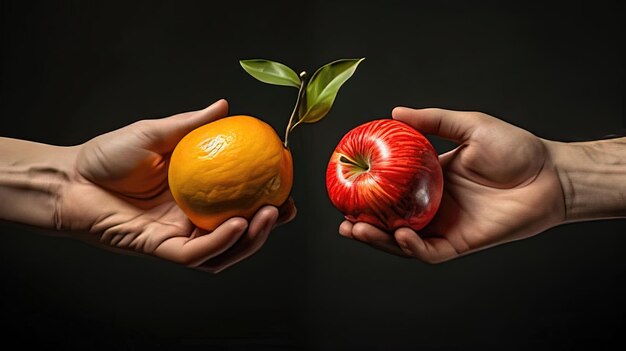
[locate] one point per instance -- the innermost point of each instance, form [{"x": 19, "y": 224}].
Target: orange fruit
[{"x": 229, "y": 168}]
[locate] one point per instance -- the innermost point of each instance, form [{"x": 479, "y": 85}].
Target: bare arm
[
  {"x": 593, "y": 177},
  {"x": 32, "y": 178}
]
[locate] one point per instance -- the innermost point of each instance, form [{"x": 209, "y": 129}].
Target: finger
[
  {"x": 165, "y": 133},
  {"x": 258, "y": 232},
  {"x": 431, "y": 249},
  {"x": 345, "y": 229},
  {"x": 286, "y": 212},
  {"x": 453, "y": 125},
  {"x": 186, "y": 122},
  {"x": 194, "y": 251},
  {"x": 376, "y": 238}
]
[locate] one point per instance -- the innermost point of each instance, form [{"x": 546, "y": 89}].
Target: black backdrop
[{"x": 72, "y": 70}]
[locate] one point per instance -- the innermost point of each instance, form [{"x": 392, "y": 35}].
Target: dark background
[{"x": 73, "y": 70}]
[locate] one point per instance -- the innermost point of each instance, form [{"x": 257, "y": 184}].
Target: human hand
[
  {"x": 120, "y": 193},
  {"x": 500, "y": 185}
]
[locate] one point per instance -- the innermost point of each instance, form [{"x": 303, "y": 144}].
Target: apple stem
[
  {"x": 363, "y": 165},
  {"x": 295, "y": 108}
]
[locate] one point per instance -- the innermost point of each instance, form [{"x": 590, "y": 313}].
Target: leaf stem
[
  {"x": 295, "y": 125},
  {"x": 295, "y": 109}
]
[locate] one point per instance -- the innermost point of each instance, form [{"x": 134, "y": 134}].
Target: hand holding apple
[{"x": 501, "y": 184}]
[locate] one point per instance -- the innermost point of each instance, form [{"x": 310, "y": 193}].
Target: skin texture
[
  {"x": 112, "y": 191},
  {"x": 502, "y": 184}
]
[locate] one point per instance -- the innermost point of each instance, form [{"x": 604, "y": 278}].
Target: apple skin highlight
[{"x": 387, "y": 174}]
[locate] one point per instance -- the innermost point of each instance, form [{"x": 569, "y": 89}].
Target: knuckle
[
  {"x": 474, "y": 114},
  {"x": 479, "y": 117},
  {"x": 141, "y": 124}
]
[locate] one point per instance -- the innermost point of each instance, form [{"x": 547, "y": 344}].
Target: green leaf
[
  {"x": 323, "y": 87},
  {"x": 271, "y": 72}
]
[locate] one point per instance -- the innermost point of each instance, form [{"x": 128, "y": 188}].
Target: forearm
[
  {"x": 32, "y": 178},
  {"x": 593, "y": 177}
]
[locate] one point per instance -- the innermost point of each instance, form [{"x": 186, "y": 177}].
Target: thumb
[
  {"x": 167, "y": 132},
  {"x": 452, "y": 125}
]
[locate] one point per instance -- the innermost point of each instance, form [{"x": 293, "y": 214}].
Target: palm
[
  {"x": 129, "y": 162},
  {"x": 494, "y": 188},
  {"x": 133, "y": 179},
  {"x": 499, "y": 185}
]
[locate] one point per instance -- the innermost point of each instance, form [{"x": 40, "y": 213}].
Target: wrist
[
  {"x": 593, "y": 178},
  {"x": 33, "y": 178},
  {"x": 64, "y": 165}
]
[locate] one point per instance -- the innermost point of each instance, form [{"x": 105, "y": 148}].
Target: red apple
[{"x": 387, "y": 174}]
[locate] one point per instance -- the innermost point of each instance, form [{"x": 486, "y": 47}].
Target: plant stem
[
  {"x": 295, "y": 109},
  {"x": 293, "y": 126}
]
